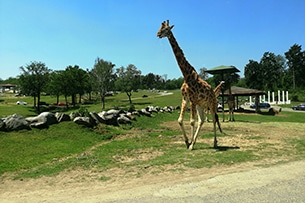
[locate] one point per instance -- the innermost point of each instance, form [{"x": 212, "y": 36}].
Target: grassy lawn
[{"x": 153, "y": 143}]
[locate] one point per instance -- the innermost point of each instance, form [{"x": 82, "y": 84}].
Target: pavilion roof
[
  {"x": 222, "y": 69},
  {"x": 241, "y": 91}
]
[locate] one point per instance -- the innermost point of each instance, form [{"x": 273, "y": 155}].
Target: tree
[
  {"x": 253, "y": 75},
  {"x": 174, "y": 83},
  {"x": 102, "y": 78},
  {"x": 149, "y": 81},
  {"x": 54, "y": 87},
  {"x": 296, "y": 65},
  {"x": 34, "y": 79},
  {"x": 78, "y": 80},
  {"x": 273, "y": 68},
  {"x": 128, "y": 79},
  {"x": 203, "y": 74},
  {"x": 229, "y": 78},
  {"x": 65, "y": 83}
]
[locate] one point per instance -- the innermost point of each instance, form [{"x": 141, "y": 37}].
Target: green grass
[
  {"x": 297, "y": 117},
  {"x": 66, "y": 146}
]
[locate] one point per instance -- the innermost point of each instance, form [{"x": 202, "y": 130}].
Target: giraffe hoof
[
  {"x": 187, "y": 144},
  {"x": 215, "y": 144}
]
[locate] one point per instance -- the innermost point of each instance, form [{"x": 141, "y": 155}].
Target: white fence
[{"x": 282, "y": 98}]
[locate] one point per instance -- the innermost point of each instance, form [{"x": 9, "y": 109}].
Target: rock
[
  {"x": 151, "y": 109},
  {"x": 168, "y": 109},
  {"x": 144, "y": 112},
  {"x": 16, "y": 122},
  {"x": 85, "y": 121},
  {"x": 273, "y": 111},
  {"x": 43, "y": 120},
  {"x": 114, "y": 112},
  {"x": 73, "y": 115},
  {"x": 110, "y": 117},
  {"x": 39, "y": 125},
  {"x": 122, "y": 119},
  {"x": 62, "y": 117},
  {"x": 2, "y": 125},
  {"x": 98, "y": 119},
  {"x": 130, "y": 116}
]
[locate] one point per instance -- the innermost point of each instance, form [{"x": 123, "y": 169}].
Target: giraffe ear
[{"x": 171, "y": 27}]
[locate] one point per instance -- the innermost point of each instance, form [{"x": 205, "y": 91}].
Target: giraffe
[
  {"x": 231, "y": 105},
  {"x": 195, "y": 91},
  {"x": 217, "y": 89}
]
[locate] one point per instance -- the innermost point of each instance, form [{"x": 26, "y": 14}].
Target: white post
[
  {"x": 287, "y": 98},
  {"x": 273, "y": 97},
  {"x": 269, "y": 96},
  {"x": 250, "y": 100},
  {"x": 260, "y": 99},
  {"x": 283, "y": 95},
  {"x": 279, "y": 96}
]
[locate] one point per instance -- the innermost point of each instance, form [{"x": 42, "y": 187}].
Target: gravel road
[{"x": 280, "y": 183}]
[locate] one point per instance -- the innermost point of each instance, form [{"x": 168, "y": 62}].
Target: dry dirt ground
[{"x": 85, "y": 186}]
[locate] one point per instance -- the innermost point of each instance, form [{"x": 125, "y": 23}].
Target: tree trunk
[
  {"x": 66, "y": 100},
  {"x": 80, "y": 99},
  {"x": 257, "y": 109},
  {"x": 34, "y": 101},
  {"x": 103, "y": 101},
  {"x": 38, "y": 101},
  {"x": 129, "y": 97},
  {"x": 73, "y": 96}
]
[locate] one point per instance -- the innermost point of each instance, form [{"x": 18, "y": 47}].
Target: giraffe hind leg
[{"x": 217, "y": 121}]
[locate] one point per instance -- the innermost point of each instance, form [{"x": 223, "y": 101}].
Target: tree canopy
[
  {"x": 34, "y": 80},
  {"x": 128, "y": 79},
  {"x": 102, "y": 78}
]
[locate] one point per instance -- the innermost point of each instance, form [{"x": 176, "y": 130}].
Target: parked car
[
  {"x": 299, "y": 107},
  {"x": 43, "y": 103},
  {"x": 21, "y": 103},
  {"x": 263, "y": 105},
  {"x": 61, "y": 104}
]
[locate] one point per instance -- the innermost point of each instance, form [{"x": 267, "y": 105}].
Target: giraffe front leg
[{"x": 181, "y": 124}]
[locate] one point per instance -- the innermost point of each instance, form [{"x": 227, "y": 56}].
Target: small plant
[{"x": 83, "y": 111}]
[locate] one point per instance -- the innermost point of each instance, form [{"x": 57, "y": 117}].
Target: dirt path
[{"x": 191, "y": 186}]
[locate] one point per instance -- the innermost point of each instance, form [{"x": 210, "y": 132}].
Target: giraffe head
[{"x": 165, "y": 29}]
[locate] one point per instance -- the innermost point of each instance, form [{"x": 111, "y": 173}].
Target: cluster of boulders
[{"x": 111, "y": 117}]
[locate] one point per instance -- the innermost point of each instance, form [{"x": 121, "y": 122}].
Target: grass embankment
[{"x": 148, "y": 145}]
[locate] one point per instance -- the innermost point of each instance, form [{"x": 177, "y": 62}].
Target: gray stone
[
  {"x": 85, "y": 121},
  {"x": 16, "y": 122},
  {"x": 2, "y": 125},
  {"x": 73, "y": 115},
  {"x": 43, "y": 120},
  {"x": 62, "y": 117}
]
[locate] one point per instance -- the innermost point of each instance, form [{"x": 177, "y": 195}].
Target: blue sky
[{"x": 211, "y": 33}]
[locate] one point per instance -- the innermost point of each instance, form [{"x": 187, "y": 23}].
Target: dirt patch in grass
[{"x": 137, "y": 155}]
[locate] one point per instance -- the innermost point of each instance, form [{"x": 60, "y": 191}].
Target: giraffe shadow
[{"x": 225, "y": 148}]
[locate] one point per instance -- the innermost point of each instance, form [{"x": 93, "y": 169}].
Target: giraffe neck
[
  {"x": 186, "y": 68},
  {"x": 217, "y": 90}
]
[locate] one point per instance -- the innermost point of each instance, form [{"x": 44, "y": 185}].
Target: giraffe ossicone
[{"x": 195, "y": 91}]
